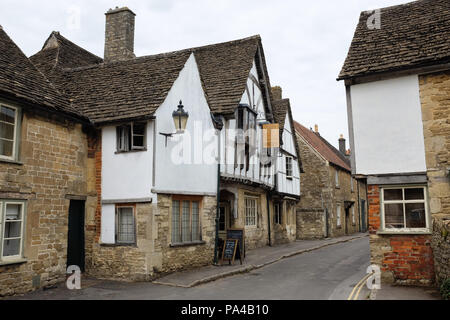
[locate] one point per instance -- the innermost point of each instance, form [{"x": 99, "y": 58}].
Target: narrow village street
[{"x": 327, "y": 273}]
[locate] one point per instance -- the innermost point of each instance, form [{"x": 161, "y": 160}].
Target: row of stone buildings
[{"x": 99, "y": 163}]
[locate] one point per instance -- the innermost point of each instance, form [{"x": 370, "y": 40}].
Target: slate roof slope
[
  {"x": 135, "y": 88},
  {"x": 330, "y": 153},
  {"x": 282, "y": 108},
  {"x": 416, "y": 34},
  {"x": 20, "y": 79},
  {"x": 59, "y": 53}
]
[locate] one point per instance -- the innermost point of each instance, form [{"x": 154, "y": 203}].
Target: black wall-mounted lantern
[{"x": 180, "y": 118}]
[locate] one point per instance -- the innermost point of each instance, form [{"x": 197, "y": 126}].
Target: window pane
[
  {"x": 414, "y": 194},
  {"x": 12, "y": 229},
  {"x": 6, "y": 131},
  {"x": 176, "y": 222},
  {"x": 13, "y": 211},
  {"x": 393, "y": 215},
  {"x": 196, "y": 222},
  {"x": 6, "y": 148},
  {"x": 126, "y": 225},
  {"x": 138, "y": 141},
  {"x": 186, "y": 225},
  {"x": 415, "y": 215},
  {"x": 393, "y": 194},
  {"x": 7, "y": 114},
  {"x": 11, "y": 247},
  {"x": 139, "y": 128}
]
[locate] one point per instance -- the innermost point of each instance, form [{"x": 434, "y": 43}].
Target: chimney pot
[
  {"x": 316, "y": 128},
  {"x": 119, "y": 34}
]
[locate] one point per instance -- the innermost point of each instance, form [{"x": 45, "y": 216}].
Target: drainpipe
[
  {"x": 218, "y": 124},
  {"x": 359, "y": 206},
  {"x": 268, "y": 216}
]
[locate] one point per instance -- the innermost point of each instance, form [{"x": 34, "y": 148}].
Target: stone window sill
[
  {"x": 131, "y": 151},
  {"x": 404, "y": 232},
  {"x": 187, "y": 244},
  {"x": 118, "y": 245},
  {"x": 11, "y": 262},
  {"x": 11, "y": 161}
]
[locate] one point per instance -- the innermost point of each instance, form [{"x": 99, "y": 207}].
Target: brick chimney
[
  {"x": 342, "y": 147},
  {"x": 277, "y": 93},
  {"x": 119, "y": 34}
]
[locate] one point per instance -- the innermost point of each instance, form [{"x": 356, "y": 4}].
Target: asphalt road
[{"x": 327, "y": 273}]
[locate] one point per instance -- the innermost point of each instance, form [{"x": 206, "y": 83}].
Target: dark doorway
[
  {"x": 75, "y": 242},
  {"x": 347, "y": 215}
]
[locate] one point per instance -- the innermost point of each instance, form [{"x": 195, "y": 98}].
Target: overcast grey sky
[{"x": 305, "y": 42}]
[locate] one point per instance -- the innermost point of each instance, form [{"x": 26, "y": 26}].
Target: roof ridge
[{"x": 163, "y": 54}]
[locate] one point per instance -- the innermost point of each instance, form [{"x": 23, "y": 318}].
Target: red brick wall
[{"x": 406, "y": 259}]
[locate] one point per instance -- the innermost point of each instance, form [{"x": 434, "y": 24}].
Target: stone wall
[
  {"x": 441, "y": 249},
  {"x": 310, "y": 224},
  {"x": 320, "y": 196},
  {"x": 403, "y": 258},
  {"x": 171, "y": 259},
  {"x": 52, "y": 166},
  {"x": 286, "y": 231},
  {"x": 435, "y": 102}
]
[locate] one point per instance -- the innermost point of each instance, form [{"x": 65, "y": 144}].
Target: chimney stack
[
  {"x": 342, "y": 147},
  {"x": 119, "y": 34},
  {"x": 316, "y": 128},
  {"x": 277, "y": 93}
]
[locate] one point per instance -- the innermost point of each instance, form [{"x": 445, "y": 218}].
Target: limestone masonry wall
[{"x": 52, "y": 165}]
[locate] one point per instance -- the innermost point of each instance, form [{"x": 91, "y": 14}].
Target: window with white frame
[
  {"x": 338, "y": 215},
  {"x": 185, "y": 220},
  {"x": 11, "y": 229},
  {"x": 404, "y": 208},
  {"x": 251, "y": 209},
  {"x": 131, "y": 136},
  {"x": 125, "y": 225},
  {"x": 8, "y": 128},
  {"x": 289, "y": 167}
]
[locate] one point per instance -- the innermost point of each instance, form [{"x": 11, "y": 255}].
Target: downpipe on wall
[{"x": 218, "y": 124}]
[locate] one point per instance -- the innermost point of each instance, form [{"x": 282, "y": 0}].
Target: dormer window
[{"x": 131, "y": 137}]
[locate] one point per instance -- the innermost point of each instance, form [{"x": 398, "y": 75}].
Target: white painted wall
[
  {"x": 285, "y": 185},
  {"x": 177, "y": 168},
  {"x": 126, "y": 175},
  {"x": 387, "y": 124}
]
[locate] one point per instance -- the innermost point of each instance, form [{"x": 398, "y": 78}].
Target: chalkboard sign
[
  {"x": 229, "y": 250},
  {"x": 239, "y": 235}
]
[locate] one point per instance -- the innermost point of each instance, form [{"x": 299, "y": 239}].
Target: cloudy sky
[{"x": 305, "y": 42}]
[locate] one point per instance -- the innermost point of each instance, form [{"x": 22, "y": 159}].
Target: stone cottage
[
  {"x": 43, "y": 176},
  {"x": 179, "y": 157},
  {"x": 333, "y": 202},
  {"x": 397, "y": 81}
]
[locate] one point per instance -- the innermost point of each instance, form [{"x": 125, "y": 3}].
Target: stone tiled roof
[
  {"x": 135, "y": 88},
  {"x": 59, "y": 53},
  {"x": 20, "y": 79},
  {"x": 282, "y": 108},
  {"x": 330, "y": 153},
  {"x": 415, "y": 34}
]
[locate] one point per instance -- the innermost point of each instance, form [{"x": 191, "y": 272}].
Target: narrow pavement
[{"x": 327, "y": 273}]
